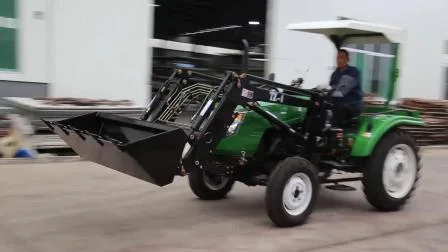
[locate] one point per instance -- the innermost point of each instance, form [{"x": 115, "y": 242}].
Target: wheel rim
[
  {"x": 399, "y": 172},
  {"x": 215, "y": 183},
  {"x": 297, "y": 194}
]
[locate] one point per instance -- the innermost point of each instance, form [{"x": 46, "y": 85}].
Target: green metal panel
[
  {"x": 374, "y": 127},
  {"x": 254, "y": 126},
  {"x": 8, "y": 49},
  {"x": 393, "y": 74},
  {"x": 374, "y": 123},
  {"x": 8, "y": 35}
]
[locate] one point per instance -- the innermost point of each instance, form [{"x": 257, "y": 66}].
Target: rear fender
[{"x": 372, "y": 130}]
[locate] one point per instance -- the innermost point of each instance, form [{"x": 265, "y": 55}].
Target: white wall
[
  {"x": 32, "y": 41},
  {"x": 99, "y": 49},
  {"x": 291, "y": 53},
  {"x": 421, "y": 68}
]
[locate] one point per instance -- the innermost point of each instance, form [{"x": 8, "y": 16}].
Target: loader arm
[
  {"x": 180, "y": 85},
  {"x": 214, "y": 118},
  {"x": 157, "y": 149}
]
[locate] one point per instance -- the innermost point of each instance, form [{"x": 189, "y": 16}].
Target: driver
[{"x": 345, "y": 92}]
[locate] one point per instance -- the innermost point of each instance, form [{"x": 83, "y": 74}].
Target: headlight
[{"x": 233, "y": 128}]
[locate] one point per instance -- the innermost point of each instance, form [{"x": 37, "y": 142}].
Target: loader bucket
[{"x": 147, "y": 151}]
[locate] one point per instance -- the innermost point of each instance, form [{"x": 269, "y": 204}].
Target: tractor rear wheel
[
  {"x": 208, "y": 186},
  {"x": 292, "y": 192},
  {"x": 392, "y": 172}
]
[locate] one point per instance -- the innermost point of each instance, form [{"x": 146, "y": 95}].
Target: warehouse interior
[
  {"x": 195, "y": 20},
  {"x": 215, "y": 29}
]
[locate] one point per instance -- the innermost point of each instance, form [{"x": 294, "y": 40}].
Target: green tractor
[{"x": 257, "y": 131}]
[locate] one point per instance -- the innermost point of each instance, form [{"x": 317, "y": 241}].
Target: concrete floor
[{"x": 81, "y": 206}]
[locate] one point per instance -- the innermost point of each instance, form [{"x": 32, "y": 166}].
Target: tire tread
[
  {"x": 372, "y": 182},
  {"x": 274, "y": 191},
  {"x": 198, "y": 187}
]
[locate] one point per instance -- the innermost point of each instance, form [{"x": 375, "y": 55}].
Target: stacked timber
[
  {"x": 371, "y": 99},
  {"x": 435, "y": 116},
  {"x": 82, "y": 102},
  {"x": 62, "y": 108}
]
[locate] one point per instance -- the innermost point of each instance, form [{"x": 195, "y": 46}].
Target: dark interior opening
[{"x": 222, "y": 24}]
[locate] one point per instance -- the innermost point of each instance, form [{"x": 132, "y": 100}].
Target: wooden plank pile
[
  {"x": 435, "y": 115},
  {"x": 371, "y": 99},
  {"x": 82, "y": 102}
]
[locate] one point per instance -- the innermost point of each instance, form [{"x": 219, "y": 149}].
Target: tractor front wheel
[
  {"x": 291, "y": 192},
  {"x": 208, "y": 186},
  {"x": 392, "y": 171}
]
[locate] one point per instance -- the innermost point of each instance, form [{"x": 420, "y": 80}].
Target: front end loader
[
  {"x": 259, "y": 132},
  {"x": 159, "y": 145}
]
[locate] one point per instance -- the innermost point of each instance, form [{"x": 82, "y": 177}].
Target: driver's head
[{"x": 342, "y": 58}]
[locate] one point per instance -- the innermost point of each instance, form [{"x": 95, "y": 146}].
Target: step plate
[{"x": 340, "y": 187}]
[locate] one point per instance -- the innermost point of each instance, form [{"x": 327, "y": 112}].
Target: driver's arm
[{"x": 347, "y": 83}]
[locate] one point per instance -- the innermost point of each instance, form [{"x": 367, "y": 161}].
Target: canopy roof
[{"x": 352, "y": 31}]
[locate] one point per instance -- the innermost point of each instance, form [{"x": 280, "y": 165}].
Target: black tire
[
  {"x": 279, "y": 179},
  {"x": 198, "y": 184},
  {"x": 374, "y": 188}
]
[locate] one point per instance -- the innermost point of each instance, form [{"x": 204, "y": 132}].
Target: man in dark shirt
[{"x": 346, "y": 92}]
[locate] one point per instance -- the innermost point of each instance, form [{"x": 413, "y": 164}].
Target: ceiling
[{"x": 188, "y": 19}]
